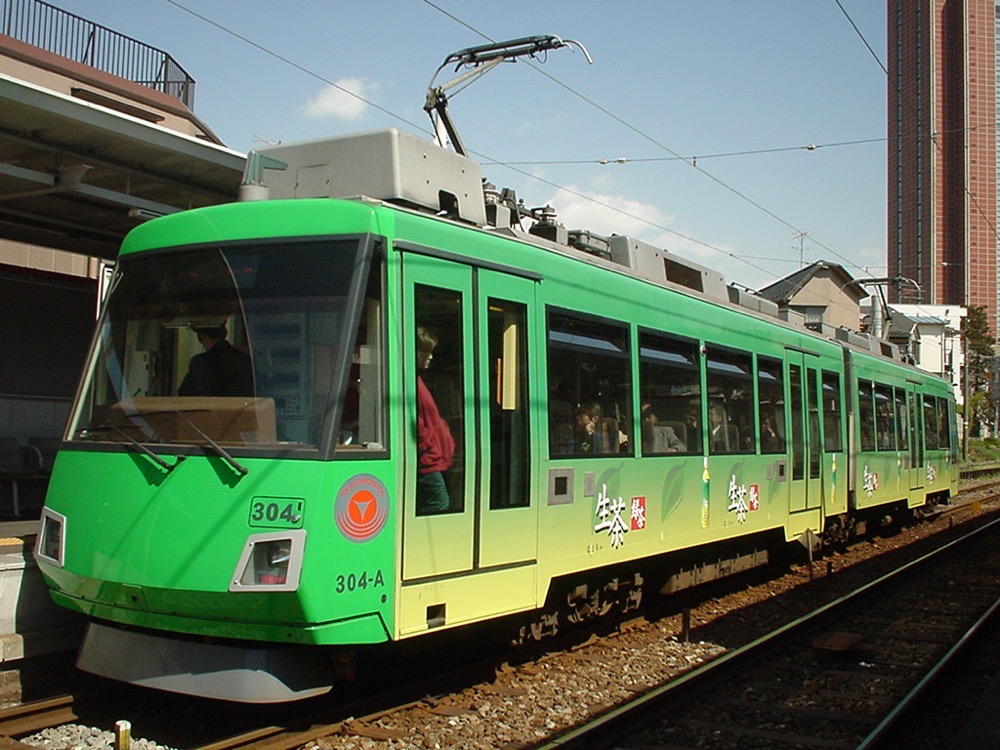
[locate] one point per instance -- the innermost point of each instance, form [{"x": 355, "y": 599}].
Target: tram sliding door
[
  {"x": 806, "y": 444},
  {"x": 438, "y": 444},
  {"x": 507, "y": 521},
  {"x": 467, "y": 356},
  {"x": 916, "y": 457}
]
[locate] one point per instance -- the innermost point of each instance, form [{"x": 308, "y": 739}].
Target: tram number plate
[
  {"x": 276, "y": 512},
  {"x": 359, "y": 581}
]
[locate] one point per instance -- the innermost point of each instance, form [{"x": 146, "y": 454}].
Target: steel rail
[
  {"x": 910, "y": 698},
  {"x": 582, "y": 736},
  {"x": 27, "y": 718}
]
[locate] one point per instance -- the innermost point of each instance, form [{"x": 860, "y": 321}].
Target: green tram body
[{"x": 166, "y": 512}]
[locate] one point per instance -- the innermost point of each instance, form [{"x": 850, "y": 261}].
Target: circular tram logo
[{"x": 362, "y": 507}]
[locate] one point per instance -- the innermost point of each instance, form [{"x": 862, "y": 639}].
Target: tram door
[
  {"x": 438, "y": 504},
  {"x": 916, "y": 425},
  {"x": 507, "y": 522},
  {"x": 806, "y": 431},
  {"x": 465, "y": 376}
]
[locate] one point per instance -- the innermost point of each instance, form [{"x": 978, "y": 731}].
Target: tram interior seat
[
  {"x": 680, "y": 430},
  {"x": 15, "y": 465},
  {"x": 733, "y": 433},
  {"x": 779, "y": 424},
  {"x": 560, "y": 426},
  {"x": 45, "y": 449},
  {"x": 610, "y": 435}
]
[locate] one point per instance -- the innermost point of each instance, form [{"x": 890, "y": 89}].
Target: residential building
[
  {"x": 929, "y": 336},
  {"x": 823, "y": 293},
  {"x": 97, "y": 134}
]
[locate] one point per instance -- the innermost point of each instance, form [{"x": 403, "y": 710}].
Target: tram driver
[{"x": 221, "y": 370}]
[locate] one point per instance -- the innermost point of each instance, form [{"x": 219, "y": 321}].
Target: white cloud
[
  {"x": 335, "y": 101},
  {"x": 615, "y": 214},
  {"x": 607, "y": 214},
  {"x": 603, "y": 180}
]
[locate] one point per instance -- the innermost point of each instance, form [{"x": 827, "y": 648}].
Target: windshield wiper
[
  {"x": 237, "y": 466},
  {"x": 155, "y": 458}
]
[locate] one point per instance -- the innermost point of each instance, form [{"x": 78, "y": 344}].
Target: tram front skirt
[{"x": 210, "y": 670}]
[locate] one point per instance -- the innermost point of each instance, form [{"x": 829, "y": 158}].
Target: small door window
[{"x": 440, "y": 406}]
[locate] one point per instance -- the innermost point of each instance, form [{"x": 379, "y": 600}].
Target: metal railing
[{"x": 50, "y": 28}]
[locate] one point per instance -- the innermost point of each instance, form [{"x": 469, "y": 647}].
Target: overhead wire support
[{"x": 482, "y": 59}]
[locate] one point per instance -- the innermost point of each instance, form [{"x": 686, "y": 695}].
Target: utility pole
[
  {"x": 801, "y": 236},
  {"x": 966, "y": 411}
]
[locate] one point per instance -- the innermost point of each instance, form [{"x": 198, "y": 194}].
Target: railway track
[
  {"x": 979, "y": 471},
  {"x": 36, "y": 715},
  {"x": 837, "y": 678}
]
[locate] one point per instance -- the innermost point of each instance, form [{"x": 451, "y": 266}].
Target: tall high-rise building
[{"x": 942, "y": 152}]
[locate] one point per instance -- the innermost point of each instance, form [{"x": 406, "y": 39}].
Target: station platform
[{"x": 30, "y": 624}]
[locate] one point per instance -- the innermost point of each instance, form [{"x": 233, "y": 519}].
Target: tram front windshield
[{"x": 268, "y": 346}]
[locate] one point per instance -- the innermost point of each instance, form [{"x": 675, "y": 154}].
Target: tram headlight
[
  {"x": 278, "y": 554},
  {"x": 270, "y": 561},
  {"x": 49, "y": 544}
]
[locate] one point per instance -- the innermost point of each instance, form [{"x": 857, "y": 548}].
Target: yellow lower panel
[
  {"x": 465, "y": 599},
  {"x": 799, "y": 522}
]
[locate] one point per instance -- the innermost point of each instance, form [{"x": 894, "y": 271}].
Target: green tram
[{"x": 371, "y": 407}]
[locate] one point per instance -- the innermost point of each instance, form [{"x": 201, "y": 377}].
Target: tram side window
[
  {"x": 730, "y": 402},
  {"x": 902, "y": 420},
  {"x": 944, "y": 431},
  {"x": 951, "y": 426},
  {"x": 440, "y": 401},
  {"x": 362, "y": 419},
  {"x": 866, "y": 415},
  {"x": 812, "y": 383},
  {"x": 795, "y": 390},
  {"x": 509, "y": 454},
  {"x": 833, "y": 433},
  {"x": 916, "y": 427},
  {"x": 885, "y": 421},
  {"x": 930, "y": 423},
  {"x": 670, "y": 394},
  {"x": 590, "y": 386},
  {"x": 771, "y": 396}
]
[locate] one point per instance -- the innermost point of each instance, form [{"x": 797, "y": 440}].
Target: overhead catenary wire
[
  {"x": 691, "y": 161},
  {"x": 696, "y": 157},
  {"x": 301, "y": 68},
  {"x": 624, "y": 160},
  {"x": 486, "y": 159}
]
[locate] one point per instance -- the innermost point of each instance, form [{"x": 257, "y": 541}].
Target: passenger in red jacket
[{"x": 435, "y": 445}]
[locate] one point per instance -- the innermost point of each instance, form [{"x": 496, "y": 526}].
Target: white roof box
[{"x": 385, "y": 164}]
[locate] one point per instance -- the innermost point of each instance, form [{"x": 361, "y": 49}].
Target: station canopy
[{"x": 77, "y": 176}]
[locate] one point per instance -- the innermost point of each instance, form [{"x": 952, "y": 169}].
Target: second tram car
[{"x": 318, "y": 421}]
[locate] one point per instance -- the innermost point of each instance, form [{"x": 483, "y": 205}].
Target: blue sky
[{"x": 745, "y": 86}]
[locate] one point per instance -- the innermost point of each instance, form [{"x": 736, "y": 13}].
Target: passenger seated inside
[
  {"x": 692, "y": 424},
  {"x": 657, "y": 438},
  {"x": 590, "y": 430},
  {"x": 769, "y": 440},
  {"x": 719, "y": 435}
]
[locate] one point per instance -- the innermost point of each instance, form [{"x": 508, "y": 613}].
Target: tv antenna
[{"x": 479, "y": 61}]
